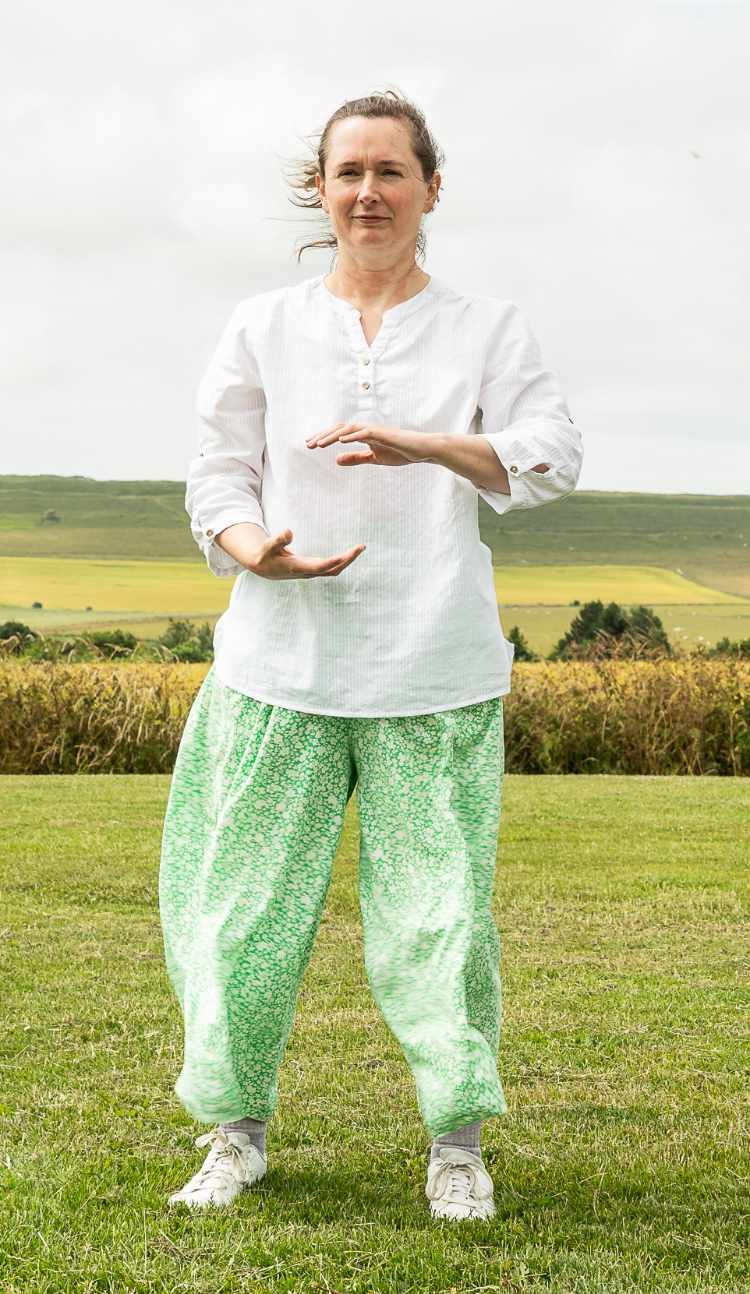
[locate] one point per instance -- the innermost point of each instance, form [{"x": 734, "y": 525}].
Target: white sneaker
[
  {"x": 232, "y": 1164},
  {"x": 459, "y": 1186}
]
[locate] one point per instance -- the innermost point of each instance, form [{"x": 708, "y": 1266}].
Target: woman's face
[{"x": 371, "y": 170}]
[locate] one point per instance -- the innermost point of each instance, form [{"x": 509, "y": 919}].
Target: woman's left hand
[{"x": 388, "y": 446}]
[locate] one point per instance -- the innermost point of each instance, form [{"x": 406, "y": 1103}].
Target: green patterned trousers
[{"x": 253, "y": 820}]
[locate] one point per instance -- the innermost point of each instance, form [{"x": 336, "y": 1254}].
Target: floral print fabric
[{"x": 254, "y": 816}]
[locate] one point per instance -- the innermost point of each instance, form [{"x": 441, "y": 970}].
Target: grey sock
[
  {"x": 467, "y": 1137},
  {"x": 255, "y": 1129}
]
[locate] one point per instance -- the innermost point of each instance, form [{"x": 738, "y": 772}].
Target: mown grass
[{"x": 622, "y": 904}]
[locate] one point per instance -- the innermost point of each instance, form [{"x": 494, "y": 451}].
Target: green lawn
[{"x": 622, "y": 1165}]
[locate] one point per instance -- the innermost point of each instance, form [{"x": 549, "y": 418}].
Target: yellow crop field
[
  {"x": 629, "y": 585},
  {"x": 166, "y": 588},
  {"x": 643, "y": 717},
  {"x": 142, "y": 589}
]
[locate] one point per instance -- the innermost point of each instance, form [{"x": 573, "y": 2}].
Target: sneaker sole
[{"x": 462, "y": 1217}]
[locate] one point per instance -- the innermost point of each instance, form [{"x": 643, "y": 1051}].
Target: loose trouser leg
[
  {"x": 253, "y": 820},
  {"x": 429, "y": 799}
]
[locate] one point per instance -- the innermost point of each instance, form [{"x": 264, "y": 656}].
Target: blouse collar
[{"x": 393, "y": 313}]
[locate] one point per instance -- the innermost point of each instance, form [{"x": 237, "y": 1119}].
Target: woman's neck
[{"x": 375, "y": 290}]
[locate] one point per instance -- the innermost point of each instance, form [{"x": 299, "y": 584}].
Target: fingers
[
  {"x": 339, "y": 431},
  {"x": 283, "y": 538},
  {"x": 307, "y": 568},
  {"x": 349, "y": 460},
  {"x": 332, "y": 565}
]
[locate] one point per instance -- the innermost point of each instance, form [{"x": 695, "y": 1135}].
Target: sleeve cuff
[
  {"x": 518, "y": 461},
  {"x": 220, "y": 562},
  {"x": 515, "y": 453}
]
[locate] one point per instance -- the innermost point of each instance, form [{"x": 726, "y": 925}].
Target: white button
[
  {"x": 365, "y": 386},
  {"x": 209, "y": 533},
  {"x": 514, "y": 469},
  {"x": 365, "y": 362}
]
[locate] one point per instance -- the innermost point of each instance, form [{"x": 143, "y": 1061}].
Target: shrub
[
  {"x": 523, "y": 651},
  {"x": 726, "y": 648},
  {"x": 15, "y": 637},
  {"x": 598, "y": 632},
  {"x": 186, "y": 643}
]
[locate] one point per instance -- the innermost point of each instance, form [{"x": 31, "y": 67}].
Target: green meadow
[
  {"x": 621, "y": 1166},
  {"x": 124, "y": 549}
]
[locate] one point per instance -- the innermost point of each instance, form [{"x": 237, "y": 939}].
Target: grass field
[
  {"x": 622, "y": 904},
  {"x": 542, "y": 626},
  {"x": 705, "y": 536}
]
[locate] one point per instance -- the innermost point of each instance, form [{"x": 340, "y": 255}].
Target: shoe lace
[
  {"x": 459, "y": 1182},
  {"x": 226, "y": 1160}
]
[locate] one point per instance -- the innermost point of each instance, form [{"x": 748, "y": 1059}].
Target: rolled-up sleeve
[
  {"x": 525, "y": 419},
  {"x": 224, "y": 481}
]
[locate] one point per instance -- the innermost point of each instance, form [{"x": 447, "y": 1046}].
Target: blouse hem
[{"x": 395, "y": 714}]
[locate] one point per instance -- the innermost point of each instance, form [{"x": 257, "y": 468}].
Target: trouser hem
[
  {"x": 440, "y": 1128},
  {"x": 220, "y": 1113}
]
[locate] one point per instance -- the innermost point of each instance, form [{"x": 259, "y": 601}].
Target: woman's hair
[{"x": 389, "y": 103}]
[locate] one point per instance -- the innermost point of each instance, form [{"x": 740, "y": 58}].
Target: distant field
[
  {"x": 559, "y": 585},
  {"x": 140, "y": 596},
  {"x": 687, "y": 556},
  {"x": 705, "y": 536},
  {"x": 685, "y": 625},
  {"x": 181, "y": 588},
  {"x": 541, "y": 626}
]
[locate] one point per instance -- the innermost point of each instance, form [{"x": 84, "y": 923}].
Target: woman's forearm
[
  {"x": 474, "y": 458},
  {"x": 242, "y": 540}
]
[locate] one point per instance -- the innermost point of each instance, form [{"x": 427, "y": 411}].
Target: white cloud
[{"x": 145, "y": 152}]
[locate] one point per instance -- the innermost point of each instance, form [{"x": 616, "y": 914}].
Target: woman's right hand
[{"x": 276, "y": 561}]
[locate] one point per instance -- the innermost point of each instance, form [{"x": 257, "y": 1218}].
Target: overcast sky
[{"x": 597, "y": 172}]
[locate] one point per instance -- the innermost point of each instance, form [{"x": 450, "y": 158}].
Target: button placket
[{"x": 365, "y": 357}]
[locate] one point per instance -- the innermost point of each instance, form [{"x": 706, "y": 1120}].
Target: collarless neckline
[{"x": 398, "y": 311}]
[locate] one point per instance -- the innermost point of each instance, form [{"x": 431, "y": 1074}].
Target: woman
[{"x": 342, "y": 416}]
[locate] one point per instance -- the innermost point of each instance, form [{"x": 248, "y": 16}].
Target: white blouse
[{"x": 411, "y": 626}]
